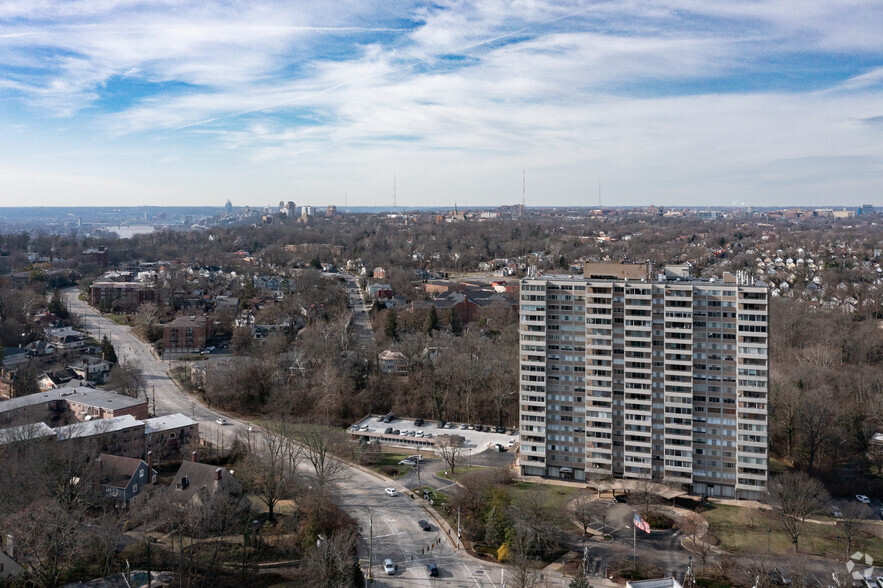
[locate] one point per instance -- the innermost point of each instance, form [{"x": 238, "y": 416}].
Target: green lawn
[
  {"x": 119, "y": 319},
  {"x": 458, "y": 473},
  {"x": 745, "y": 530}
]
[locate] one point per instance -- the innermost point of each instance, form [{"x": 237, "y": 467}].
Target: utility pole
[
  {"x": 153, "y": 393},
  {"x": 458, "y": 527},
  {"x": 368, "y": 578},
  {"x": 419, "y": 457},
  {"x": 635, "y": 542}
]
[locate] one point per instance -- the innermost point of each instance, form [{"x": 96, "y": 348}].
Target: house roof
[
  {"x": 117, "y": 471},
  {"x": 199, "y": 476},
  {"x": 166, "y": 423},
  {"x": 105, "y": 399},
  {"x": 390, "y": 355},
  {"x": 25, "y": 433},
  {"x": 97, "y": 427}
]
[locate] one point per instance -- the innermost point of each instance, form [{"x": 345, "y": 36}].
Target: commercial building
[
  {"x": 81, "y": 403},
  {"x": 644, "y": 374}
]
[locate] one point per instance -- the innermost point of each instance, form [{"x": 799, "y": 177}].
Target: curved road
[{"x": 396, "y": 534}]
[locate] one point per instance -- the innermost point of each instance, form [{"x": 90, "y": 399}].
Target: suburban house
[
  {"x": 40, "y": 348},
  {"x": 187, "y": 334},
  {"x": 13, "y": 356},
  {"x": 392, "y": 362},
  {"x": 9, "y": 568},
  {"x": 123, "y": 478},
  {"x": 56, "y": 379},
  {"x": 92, "y": 369},
  {"x": 199, "y": 482}
]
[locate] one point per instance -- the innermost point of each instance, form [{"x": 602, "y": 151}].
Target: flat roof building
[{"x": 659, "y": 377}]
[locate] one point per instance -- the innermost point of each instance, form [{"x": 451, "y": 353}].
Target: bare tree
[
  {"x": 585, "y": 510},
  {"x": 521, "y": 572},
  {"x": 319, "y": 444},
  {"x": 127, "y": 378},
  {"x": 795, "y": 497},
  {"x": 450, "y": 449},
  {"x": 270, "y": 467},
  {"x": 330, "y": 564},
  {"x": 850, "y": 527}
]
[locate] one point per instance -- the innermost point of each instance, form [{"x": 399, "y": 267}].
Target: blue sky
[{"x": 671, "y": 102}]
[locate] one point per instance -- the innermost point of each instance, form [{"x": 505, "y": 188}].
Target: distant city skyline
[{"x": 731, "y": 103}]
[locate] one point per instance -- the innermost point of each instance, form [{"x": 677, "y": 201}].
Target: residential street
[{"x": 362, "y": 495}]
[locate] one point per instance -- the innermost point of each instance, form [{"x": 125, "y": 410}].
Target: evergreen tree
[
  {"x": 56, "y": 306},
  {"x": 579, "y": 581},
  {"x": 431, "y": 323},
  {"x": 392, "y": 325},
  {"x": 108, "y": 353},
  {"x": 455, "y": 321}
]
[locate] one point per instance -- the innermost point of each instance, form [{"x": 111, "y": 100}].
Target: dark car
[
  {"x": 424, "y": 525},
  {"x": 418, "y": 422},
  {"x": 387, "y": 431},
  {"x": 432, "y": 569},
  {"x": 396, "y": 432},
  {"x": 440, "y": 425}
]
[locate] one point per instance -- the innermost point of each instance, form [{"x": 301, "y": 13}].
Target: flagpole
[{"x": 635, "y": 540}]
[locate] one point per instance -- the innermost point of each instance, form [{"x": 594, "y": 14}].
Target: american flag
[{"x": 641, "y": 524}]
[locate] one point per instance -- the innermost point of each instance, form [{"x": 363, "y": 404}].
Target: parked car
[
  {"x": 392, "y": 492},
  {"x": 432, "y": 570},
  {"x": 449, "y": 425},
  {"x": 419, "y": 433},
  {"x": 408, "y": 462},
  {"x": 863, "y": 499},
  {"x": 389, "y": 567},
  {"x": 387, "y": 430},
  {"x": 418, "y": 422},
  {"x": 440, "y": 425},
  {"x": 464, "y": 426},
  {"x": 511, "y": 442},
  {"x": 221, "y": 421},
  {"x": 354, "y": 428},
  {"x": 415, "y": 458},
  {"x": 411, "y": 433},
  {"x": 380, "y": 418},
  {"x": 499, "y": 447},
  {"x": 427, "y": 436},
  {"x": 835, "y": 510},
  {"x": 424, "y": 525},
  {"x": 363, "y": 428},
  {"x": 396, "y": 432},
  {"x": 404, "y": 433}
]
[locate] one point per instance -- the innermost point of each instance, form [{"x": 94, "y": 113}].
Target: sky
[{"x": 375, "y": 103}]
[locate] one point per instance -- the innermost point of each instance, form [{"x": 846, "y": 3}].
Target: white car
[
  {"x": 863, "y": 499},
  {"x": 389, "y": 567},
  {"x": 392, "y": 492},
  {"x": 221, "y": 421},
  {"x": 835, "y": 510},
  {"x": 511, "y": 442}
]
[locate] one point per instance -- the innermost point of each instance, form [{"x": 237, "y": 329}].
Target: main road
[{"x": 396, "y": 535}]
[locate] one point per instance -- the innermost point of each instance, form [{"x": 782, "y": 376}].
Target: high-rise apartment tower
[{"x": 639, "y": 373}]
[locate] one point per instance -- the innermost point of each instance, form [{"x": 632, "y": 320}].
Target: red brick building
[{"x": 187, "y": 334}]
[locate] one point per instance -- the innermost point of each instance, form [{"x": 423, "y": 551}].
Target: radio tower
[{"x": 523, "y": 189}]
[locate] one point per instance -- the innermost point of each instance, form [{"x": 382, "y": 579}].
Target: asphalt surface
[
  {"x": 362, "y": 495},
  {"x": 362, "y": 331}
]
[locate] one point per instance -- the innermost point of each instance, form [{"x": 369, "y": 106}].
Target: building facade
[{"x": 639, "y": 374}]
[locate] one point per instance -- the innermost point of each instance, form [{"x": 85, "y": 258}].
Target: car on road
[
  {"x": 221, "y": 421},
  {"x": 408, "y": 462},
  {"x": 392, "y": 492},
  {"x": 432, "y": 570},
  {"x": 389, "y": 567},
  {"x": 415, "y": 458},
  {"x": 424, "y": 525},
  {"x": 863, "y": 499},
  {"x": 835, "y": 510},
  {"x": 511, "y": 442}
]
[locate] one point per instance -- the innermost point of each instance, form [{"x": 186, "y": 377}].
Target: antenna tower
[{"x": 523, "y": 188}]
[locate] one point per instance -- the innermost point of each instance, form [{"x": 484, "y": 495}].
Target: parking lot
[{"x": 476, "y": 441}]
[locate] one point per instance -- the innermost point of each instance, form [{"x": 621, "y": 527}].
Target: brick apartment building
[
  {"x": 124, "y": 293},
  {"x": 187, "y": 334}
]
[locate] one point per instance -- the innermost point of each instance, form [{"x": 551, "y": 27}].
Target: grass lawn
[
  {"x": 746, "y": 530},
  {"x": 119, "y": 319},
  {"x": 458, "y": 473}
]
